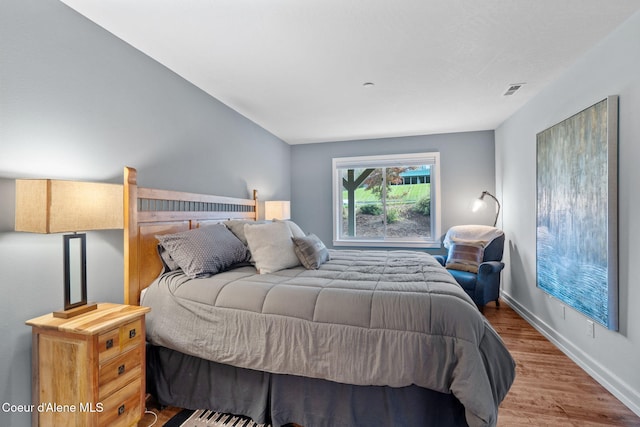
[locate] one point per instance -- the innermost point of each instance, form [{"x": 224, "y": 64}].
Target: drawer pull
[
  {"x": 132, "y": 333},
  {"x": 109, "y": 343},
  {"x": 121, "y": 369},
  {"x": 121, "y": 410}
]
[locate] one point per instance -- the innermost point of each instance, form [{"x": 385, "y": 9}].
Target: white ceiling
[{"x": 297, "y": 67}]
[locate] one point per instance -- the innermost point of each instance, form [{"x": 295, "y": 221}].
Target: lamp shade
[
  {"x": 277, "y": 209},
  {"x": 55, "y": 206},
  {"x": 480, "y": 203}
]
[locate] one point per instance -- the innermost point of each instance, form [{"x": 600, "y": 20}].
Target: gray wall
[
  {"x": 466, "y": 163},
  {"x": 611, "y": 68},
  {"x": 78, "y": 103}
]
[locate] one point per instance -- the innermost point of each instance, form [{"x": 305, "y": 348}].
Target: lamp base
[{"x": 76, "y": 311}]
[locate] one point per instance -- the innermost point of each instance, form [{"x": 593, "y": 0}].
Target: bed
[{"x": 317, "y": 338}]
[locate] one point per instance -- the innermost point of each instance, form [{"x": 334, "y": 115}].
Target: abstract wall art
[{"x": 577, "y": 212}]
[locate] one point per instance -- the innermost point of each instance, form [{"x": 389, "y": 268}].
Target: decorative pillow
[
  {"x": 271, "y": 246},
  {"x": 237, "y": 227},
  {"x": 465, "y": 255},
  {"x": 311, "y": 252},
  {"x": 295, "y": 229},
  {"x": 204, "y": 251},
  {"x": 168, "y": 264}
]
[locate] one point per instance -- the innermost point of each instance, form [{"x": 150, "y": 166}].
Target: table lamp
[{"x": 56, "y": 206}]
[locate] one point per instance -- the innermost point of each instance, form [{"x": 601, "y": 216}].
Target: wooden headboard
[{"x": 149, "y": 212}]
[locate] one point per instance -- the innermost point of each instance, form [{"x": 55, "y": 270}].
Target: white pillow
[
  {"x": 295, "y": 229},
  {"x": 271, "y": 246}
]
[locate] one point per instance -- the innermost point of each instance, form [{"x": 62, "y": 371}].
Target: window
[{"x": 387, "y": 201}]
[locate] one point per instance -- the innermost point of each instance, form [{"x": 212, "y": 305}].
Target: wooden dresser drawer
[
  {"x": 123, "y": 407},
  {"x": 131, "y": 334},
  {"x": 109, "y": 344},
  {"x": 117, "y": 372},
  {"x": 115, "y": 341}
]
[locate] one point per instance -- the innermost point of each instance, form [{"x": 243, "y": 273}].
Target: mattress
[{"x": 371, "y": 318}]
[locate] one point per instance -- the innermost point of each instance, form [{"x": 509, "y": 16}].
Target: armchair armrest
[{"x": 490, "y": 267}]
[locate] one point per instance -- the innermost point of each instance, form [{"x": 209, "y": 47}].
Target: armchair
[{"x": 474, "y": 259}]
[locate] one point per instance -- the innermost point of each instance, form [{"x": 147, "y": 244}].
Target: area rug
[{"x": 203, "y": 417}]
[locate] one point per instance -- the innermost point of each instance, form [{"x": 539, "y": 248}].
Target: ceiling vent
[{"x": 513, "y": 88}]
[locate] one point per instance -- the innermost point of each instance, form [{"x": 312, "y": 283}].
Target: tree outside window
[{"x": 386, "y": 201}]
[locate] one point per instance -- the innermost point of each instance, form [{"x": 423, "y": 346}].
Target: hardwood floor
[{"x": 549, "y": 390}]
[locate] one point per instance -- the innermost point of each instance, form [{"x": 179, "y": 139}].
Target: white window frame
[{"x": 430, "y": 158}]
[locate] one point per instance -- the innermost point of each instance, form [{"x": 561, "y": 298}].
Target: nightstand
[{"x": 89, "y": 370}]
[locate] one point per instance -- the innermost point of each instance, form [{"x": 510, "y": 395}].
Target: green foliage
[
  {"x": 371, "y": 209},
  {"x": 423, "y": 206},
  {"x": 393, "y": 215},
  {"x": 408, "y": 193},
  {"x": 374, "y": 180}
]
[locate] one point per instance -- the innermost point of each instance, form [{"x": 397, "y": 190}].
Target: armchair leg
[{"x": 497, "y": 303}]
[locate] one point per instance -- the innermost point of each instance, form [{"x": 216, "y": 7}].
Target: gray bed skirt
[{"x": 176, "y": 379}]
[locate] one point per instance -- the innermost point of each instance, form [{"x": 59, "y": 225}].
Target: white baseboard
[{"x": 617, "y": 387}]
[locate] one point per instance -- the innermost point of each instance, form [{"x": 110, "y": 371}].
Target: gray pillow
[
  {"x": 237, "y": 227},
  {"x": 168, "y": 264},
  {"x": 205, "y": 251},
  {"x": 311, "y": 252}
]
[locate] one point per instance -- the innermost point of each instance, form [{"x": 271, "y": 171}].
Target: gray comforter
[{"x": 391, "y": 318}]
